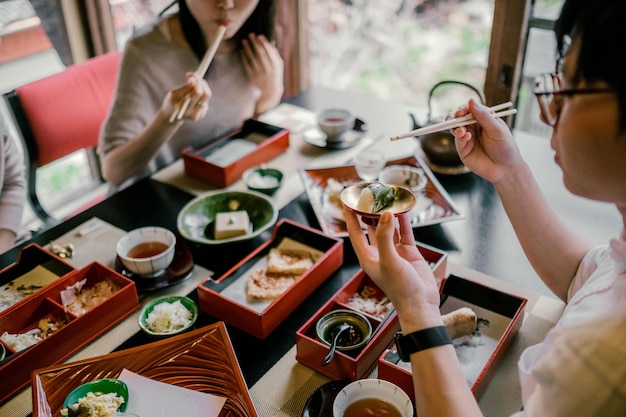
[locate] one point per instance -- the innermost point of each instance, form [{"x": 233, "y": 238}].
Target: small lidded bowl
[
  {"x": 147, "y": 251},
  {"x": 263, "y": 180},
  {"x": 407, "y": 176},
  {"x": 377, "y": 396},
  {"x": 354, "y": 338},
  {"x": 334, "y": 122}
]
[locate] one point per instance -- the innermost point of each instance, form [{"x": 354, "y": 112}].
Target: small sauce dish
[
  {"x": 263, "y": 180},
  {"x": 355, "y": 338}
]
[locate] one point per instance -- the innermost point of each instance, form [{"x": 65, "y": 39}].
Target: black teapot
[{"x": 439, "y": 147}]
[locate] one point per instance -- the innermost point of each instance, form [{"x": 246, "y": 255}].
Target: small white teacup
[
  {"x": 147, "y": 251},
  {"x": 370, "y": 394},
  {"x": 334, "y": 122}
]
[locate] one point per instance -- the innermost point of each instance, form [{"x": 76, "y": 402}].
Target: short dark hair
[
  {"x": 261, "y": 21},
  {"x": 598, "y": 25}
]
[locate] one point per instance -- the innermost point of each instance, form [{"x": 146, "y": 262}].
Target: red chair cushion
[{"x": 65, "y": 111}]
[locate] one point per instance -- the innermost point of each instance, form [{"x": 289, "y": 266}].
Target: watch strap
[{"x": 421, "y": 340}]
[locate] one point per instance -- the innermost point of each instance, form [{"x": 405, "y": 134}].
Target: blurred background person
[
  {"x": 245, "y": 78},
  {"x": 13, "y": 193}
]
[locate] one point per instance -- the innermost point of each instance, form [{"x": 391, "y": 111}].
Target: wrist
[
  {"x": 418, "y": 317},
  {"x": 428, "y": 338}
]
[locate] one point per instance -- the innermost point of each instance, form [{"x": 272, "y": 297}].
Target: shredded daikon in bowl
[{"x": 168, "y": 315}]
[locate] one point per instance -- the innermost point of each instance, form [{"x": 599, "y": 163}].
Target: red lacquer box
[
  {"x": 77, "y": 329},
  {"x": 225, "y": 297},
  {"x": 223, "y": 162},
  {"x": 500, "y": 316},
  {"x": 355, "y": 364}
]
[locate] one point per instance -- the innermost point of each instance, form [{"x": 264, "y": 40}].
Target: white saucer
[{"x": 348, "y": 139}]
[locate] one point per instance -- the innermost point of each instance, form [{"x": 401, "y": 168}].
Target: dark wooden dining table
[{"x": 483, "y": 240}]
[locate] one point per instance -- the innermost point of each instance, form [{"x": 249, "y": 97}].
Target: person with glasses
[
  {"x": 580, "y": 368},
  {"x": 245, "y": 78}
]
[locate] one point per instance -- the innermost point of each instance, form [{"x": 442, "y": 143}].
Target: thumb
[
  {"x": 384, "y": 236},
  {"x": 483, "y": 116}
]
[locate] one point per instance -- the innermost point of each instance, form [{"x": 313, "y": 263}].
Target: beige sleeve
[{"x": 460, "y": 322}]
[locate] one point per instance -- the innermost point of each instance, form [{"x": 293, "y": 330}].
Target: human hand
[
  {"x": 265, "y": 69},
  {"x": 487, "y": 147},
  {"x": 392, "y": 260},
  {"x": 197, "y": 91}
]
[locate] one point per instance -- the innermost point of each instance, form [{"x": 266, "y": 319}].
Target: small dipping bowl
[
  {"x": 405, "y": 201},
  {"x": 263, "y": 180},
  {"x": 374, "y": 391},
  {"x": 187, "y": 302},
  {"x": 404, "y": 175},
  {"x": 360, "y": 324},
  {"x": 147, "y": 251},
  {"x": 334, "y": 122}
]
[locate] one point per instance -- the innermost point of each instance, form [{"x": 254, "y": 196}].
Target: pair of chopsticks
[
  {"x": 179, "y": 111},
  {"x": 457, "y": 122}
]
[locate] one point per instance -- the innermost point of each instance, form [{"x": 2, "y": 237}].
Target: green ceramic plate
[
  {"x": 195, "y": 220},
  {"x": 99, "y": 386},
  {"x": 147, "y": 309}
]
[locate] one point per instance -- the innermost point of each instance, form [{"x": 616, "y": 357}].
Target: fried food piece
[{"x": 460, "y": 322}]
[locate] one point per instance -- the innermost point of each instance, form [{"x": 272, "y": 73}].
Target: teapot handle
[{"x": 440, "y": 83}]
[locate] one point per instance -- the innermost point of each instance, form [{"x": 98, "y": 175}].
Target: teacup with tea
[
  {"x": 335, "y": 122},
  {"x": 372, "y": 397},
  {"x": 147, "y": 251}
]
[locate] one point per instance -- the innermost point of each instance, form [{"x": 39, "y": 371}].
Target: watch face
[{"x": 400, "y": 348}]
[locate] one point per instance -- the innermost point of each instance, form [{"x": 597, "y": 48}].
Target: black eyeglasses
[{"x": 550, "y": 92}]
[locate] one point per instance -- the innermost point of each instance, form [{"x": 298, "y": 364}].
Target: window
[
  {"x": 399, "y": 49},
  {"x": 539, "y": 57}
]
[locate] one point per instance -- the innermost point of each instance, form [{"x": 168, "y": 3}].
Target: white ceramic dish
[{"x": 407, "y": 176}]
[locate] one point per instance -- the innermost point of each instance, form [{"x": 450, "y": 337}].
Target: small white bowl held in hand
[
  {"x": 334, "y": 122},
  {"x": 379, "y": 391},
  {"x": 147, "y": 251}
]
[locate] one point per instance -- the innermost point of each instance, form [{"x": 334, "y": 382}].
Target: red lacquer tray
[
  {"x": 202, "y": 360},
  {"x": 434, "y": 205}
]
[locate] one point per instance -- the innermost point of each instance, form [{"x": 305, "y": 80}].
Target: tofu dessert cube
[{"x": 231, "y": 224}]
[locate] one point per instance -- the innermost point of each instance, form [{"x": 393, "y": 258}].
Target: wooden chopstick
[
  {"x": 457, "y": 122},
  {"x": 179, "y": 111}
]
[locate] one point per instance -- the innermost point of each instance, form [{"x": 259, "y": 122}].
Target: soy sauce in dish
[
  {"x": 350, "y": 337},
  {"x": 368, "y": 407},
  {"x": 147, "y": 249}
]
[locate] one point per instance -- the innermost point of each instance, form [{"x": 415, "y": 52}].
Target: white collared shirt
[{"x": 580, "y": 368}]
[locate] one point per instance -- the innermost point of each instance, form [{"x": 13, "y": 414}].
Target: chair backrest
[{"x": 63, "y": 113}]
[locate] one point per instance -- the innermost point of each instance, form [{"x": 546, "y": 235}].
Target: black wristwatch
[{"x": 421, "y": 340}]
